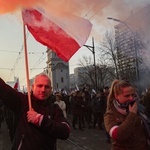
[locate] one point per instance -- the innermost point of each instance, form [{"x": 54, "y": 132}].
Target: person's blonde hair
[{"x": 116, "y": 88}]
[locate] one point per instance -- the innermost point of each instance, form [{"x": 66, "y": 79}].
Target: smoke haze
[{"x": 96, "y": 11}]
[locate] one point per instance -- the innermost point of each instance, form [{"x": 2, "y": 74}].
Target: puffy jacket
[{"x": 28, "y": 136}]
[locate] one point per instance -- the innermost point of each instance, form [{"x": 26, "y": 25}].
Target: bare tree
[
  {"x": 87, "y": 74},
  {"x": 104, "y": 74},
  {"x": 106, "y": 66},
  {"x": 108, "y": 52}
]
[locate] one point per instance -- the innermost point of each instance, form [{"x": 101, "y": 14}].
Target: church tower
[{"x": 58, "y": 71}]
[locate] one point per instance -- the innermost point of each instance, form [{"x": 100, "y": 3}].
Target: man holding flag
[{"x": 40, "y": 127}]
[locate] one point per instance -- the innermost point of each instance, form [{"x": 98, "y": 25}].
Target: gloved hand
[{"x": 34, "y": 117}]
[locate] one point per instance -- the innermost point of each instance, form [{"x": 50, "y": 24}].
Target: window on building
[
  {"x": 57, "y": 85},
  {"x": 62, "y": 79}
]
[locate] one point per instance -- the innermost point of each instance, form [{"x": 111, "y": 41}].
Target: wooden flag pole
[{"x": 27, "y": 68}]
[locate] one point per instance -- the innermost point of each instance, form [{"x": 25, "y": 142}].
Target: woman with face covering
[{"x": 121, "y": 119}]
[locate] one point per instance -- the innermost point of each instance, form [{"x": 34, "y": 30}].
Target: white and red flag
[
  {"x": 16, "y": 85},
  {"x": 63, "y": 33}
]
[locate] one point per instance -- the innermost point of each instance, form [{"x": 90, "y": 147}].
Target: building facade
[
  {"x": 132, "y": 43},
  {"x": 58, "y": 71}
]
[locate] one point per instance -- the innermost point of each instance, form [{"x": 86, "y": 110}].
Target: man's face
[{"x": 42, "y": 88}]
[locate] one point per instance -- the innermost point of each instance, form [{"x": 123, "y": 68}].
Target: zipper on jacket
[{"x": 20, "y": 144}]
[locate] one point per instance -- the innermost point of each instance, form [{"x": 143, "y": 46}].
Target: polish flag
[{"x": 63, "y": 33}]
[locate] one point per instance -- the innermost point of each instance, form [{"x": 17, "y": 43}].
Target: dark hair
[
  {"x": 101, "y": 91},
  {"x": 106, "y": 87},
  {"x": 58, "y": 94}
]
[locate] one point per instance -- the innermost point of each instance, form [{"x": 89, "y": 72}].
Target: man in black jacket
[{"x": 40, "y": 127}]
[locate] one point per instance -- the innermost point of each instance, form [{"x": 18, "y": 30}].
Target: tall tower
[{"x": 58, "y": 71}]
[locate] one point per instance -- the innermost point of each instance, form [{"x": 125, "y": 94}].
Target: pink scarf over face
[{"x": 119, "y": 109}]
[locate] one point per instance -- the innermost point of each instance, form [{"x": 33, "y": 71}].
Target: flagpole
[{"x": 27, "y": 68}]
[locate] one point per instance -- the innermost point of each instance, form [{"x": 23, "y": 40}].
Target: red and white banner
[
  {"x": 16, "y": 85},
  {"x": 63, "y": 33}
]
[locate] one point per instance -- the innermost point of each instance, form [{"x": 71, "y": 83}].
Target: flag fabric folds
[{"x": 63, "y": 34}]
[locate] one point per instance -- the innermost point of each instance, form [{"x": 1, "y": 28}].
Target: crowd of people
[
  {"x": 117, "y": 110},
  {"x": 86, "y": 107}
]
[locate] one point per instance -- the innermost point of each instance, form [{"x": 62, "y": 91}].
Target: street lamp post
[
  {"x": 136, "y": 57},
  {"x": 92, "y": 49}
]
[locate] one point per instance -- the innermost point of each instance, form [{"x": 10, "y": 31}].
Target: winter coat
[
  {"x": 29, "y": 136},
  {"x": 77, "y": 106},
  {"x": 131, "y": 135},
  {"x": 62, "y": 106}
]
